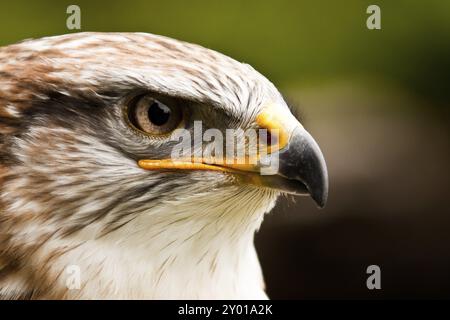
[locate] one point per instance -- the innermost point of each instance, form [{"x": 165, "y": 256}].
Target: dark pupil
[{"x": 158, "y": 113}]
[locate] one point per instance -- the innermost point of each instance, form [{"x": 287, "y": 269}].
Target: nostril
[{"x": 269, "y": 138}]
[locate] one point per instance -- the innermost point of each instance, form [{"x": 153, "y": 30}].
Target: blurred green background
[
  {"x": 377, "y": 101},
  {"x": 292, "y": 42}
]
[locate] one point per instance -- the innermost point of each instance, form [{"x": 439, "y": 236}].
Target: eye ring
[{"x": 154, "y": 115}]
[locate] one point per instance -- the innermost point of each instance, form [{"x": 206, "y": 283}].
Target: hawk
[{"x": 86, "y": 177}]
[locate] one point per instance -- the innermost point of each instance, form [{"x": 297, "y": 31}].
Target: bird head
[{"x": 88, "y": 125}]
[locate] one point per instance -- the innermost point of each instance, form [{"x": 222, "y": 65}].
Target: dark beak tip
[
  {"x": 321, "y": 200},
  {"x": 303, "y": 161},
  {"x": 316, "y": 175},
  {"x": 320, "y": 194}
]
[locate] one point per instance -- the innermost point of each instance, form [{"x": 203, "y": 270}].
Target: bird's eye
[{"x": 154, "y": 116}]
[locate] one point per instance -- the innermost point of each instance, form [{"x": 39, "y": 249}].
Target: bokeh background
[{"x": 377, "y": 101}]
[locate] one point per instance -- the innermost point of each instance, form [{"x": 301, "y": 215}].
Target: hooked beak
[
  {"x": 300, "y": 170},
  {"x": 302, "y": 162}
]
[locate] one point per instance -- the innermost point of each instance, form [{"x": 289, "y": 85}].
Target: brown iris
[{"x": 154, "y": 116}]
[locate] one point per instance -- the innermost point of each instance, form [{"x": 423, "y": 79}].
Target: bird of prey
[{"x": 86, "y": 180}]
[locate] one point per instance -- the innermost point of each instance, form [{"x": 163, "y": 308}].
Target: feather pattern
[{"x": 72, "y": 194}]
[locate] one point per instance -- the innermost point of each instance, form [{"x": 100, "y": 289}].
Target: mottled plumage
[{"x": 72, "y": 194}]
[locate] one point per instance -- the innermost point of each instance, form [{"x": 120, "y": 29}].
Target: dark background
[{"x": 377, "y": 102}]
